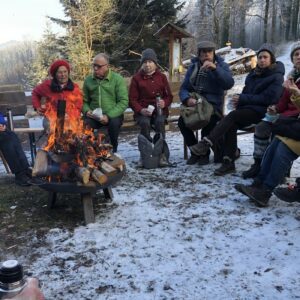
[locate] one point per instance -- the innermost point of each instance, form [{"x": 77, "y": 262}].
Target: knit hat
[
  {"x": 149, "y": 54},
  {"x": 269, "y": 48},
  {"x": 58, "y": 63},
  {"x": 295, "y": 47}
]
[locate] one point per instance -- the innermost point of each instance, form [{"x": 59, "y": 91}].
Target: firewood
[
  {"x": 83, "y": 174},
  {"x": 99, "y": 176},
  {"x": 108, "y": 169},
  {"x": 117, "y": 162},
  {"x": 41, "y": 164}
]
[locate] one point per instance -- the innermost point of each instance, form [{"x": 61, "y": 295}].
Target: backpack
[{"x": 154, "y": 154}]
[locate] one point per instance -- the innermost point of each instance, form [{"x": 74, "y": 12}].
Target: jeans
[
  {"x": 158, "y": 121},
  {"x": 113, "y": 128},
  {"x": 277, "y": 160},
  {"x": 12, "y": 151}
]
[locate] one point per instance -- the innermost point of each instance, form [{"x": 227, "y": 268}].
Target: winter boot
[
  {"x": 260, "y": 195},
  {"x": 202, "y": 147},
  {"x": 22, "y": 179},
  {"x": 289, "y": 194},
  {"x": 227, "y": 167},
  {"x": 203, "y": 160},
  {"x": 193, "y": 159},
  {"x": 254, "y": 169}
]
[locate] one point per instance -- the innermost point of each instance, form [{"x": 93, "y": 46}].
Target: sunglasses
[{"x": 96, "y": 66}]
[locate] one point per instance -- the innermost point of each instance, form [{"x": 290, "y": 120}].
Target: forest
[{"x": 123, "y": 28}]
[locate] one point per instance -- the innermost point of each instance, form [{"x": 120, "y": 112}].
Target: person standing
[
  {"x": 208, "y": 76},
  {"x": 105, "y": 98},
  {"x": 149, "y": 89}
]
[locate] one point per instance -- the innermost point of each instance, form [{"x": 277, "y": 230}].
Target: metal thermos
[
  {"x": 158, "y": 109},
  {"x": 12, "y": 279},
  {"x": 10, "y": 121}
]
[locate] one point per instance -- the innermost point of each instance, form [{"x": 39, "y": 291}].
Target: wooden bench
[{"x": 13, "y": 104}]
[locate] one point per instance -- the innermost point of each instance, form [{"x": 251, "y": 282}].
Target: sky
[{"x": 26, "y": 19}]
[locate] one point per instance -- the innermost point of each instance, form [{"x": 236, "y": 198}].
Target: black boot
[
  {"x": 289, "y": 194},
  {"x": 260, "y": 195},
  {"x": 254, "y": 169},
  {"x": 227, "y": 167}
]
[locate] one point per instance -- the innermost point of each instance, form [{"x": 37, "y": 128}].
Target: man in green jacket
[{"x": 105, "y": 98}]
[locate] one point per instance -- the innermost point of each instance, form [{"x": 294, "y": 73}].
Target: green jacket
[{"x": 110, "y": 94}]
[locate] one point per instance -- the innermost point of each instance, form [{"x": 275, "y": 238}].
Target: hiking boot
[
  {"x": 193, "y": 159},
  {"x": 288, "y": 194},
  {"x": 260, "y": 195},
  {"x": 253, "y": 171},
  {"x": 22, "y": 179},
  {"x": 201, "y": 148},
  {"x": 240, "y": 187},
  {"x": 203, "y": 160},
  {"x": 227, "y": 167}
]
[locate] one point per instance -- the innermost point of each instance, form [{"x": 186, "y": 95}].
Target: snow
[{"x": 177, "y": 233}]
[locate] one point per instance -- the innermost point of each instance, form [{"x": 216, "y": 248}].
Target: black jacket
[{"x": 262, "y": 90}]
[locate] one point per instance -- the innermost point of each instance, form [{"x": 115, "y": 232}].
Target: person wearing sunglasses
[{"x": 105, "y": 98}]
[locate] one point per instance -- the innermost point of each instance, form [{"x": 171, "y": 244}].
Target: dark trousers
[
  {"x": 227, "y": 128},
  {"x": 189, "y": 136},
  {"x": 146, "y": 123},
  {"x": 113, "y": 128},
  {"x": 12, "y": 151}
]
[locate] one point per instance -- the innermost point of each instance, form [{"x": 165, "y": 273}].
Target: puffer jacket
[
  {"x": 262, "y": 89},
  {"x": 218, "y": 81}
]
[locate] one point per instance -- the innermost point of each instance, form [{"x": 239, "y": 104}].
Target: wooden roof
[{"x": 171, "y": 28}]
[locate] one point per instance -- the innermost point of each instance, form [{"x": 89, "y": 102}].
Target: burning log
[
  {"x": 41, "y": 164},
  {"x": 98, "y": 176},
  {"x": 83, "y": 174}
]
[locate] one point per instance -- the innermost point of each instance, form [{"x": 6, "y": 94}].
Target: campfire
[{"x": 73, "y": 153}]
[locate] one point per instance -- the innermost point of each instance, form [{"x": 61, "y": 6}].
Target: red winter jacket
[
  {"x": 71, "y": 94},
  {"x": 285, "y": 106},
  {"x": 143, "y": 89}
]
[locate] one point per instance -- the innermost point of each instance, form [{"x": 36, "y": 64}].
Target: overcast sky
[{"x": 26, "y": 19}]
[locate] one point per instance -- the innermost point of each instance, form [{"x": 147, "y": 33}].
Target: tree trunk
[
  {"x": 266, "y": 20},
  {"x": 288, "y": 20},
  {"x": 294, "y": 21},
  {"x": 273, "y": 27},
  {"x": 226, "y": 23}
]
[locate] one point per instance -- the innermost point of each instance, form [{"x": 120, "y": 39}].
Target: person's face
[
  {"x": 100, "y": 67},
  {"x": 264, "y": 59},
  {"x": 206, "y": 54},
  {"x": 149, "y": 66},
  {"x": 296, "y": 59},
  {"x": 62, "y": 75}
]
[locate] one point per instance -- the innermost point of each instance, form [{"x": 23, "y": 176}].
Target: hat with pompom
[{"x": 295, "y": 47}]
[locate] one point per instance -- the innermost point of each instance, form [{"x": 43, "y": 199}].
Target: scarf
[{"x": 56, "y": 87}]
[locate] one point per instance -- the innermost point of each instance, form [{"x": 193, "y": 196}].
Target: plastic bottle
[{"x": 12, "y": 280}]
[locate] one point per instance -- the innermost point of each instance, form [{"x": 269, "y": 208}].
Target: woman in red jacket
[
  {"x": 60, "y": 87},
  {"x": 150, "y": 95}
]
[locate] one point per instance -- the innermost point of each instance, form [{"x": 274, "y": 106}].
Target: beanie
[
  {"x": 149, "y": 54},
  {"x": 269, "y": 48},
  {"x": 58, "y": 63},
  {"x": 295, "y": 47}
]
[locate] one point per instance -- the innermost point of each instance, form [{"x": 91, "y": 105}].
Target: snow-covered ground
[{"x": 177, "y": 233}]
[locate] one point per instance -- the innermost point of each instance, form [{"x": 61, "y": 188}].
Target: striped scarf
[{"x": 200, "y": 81}]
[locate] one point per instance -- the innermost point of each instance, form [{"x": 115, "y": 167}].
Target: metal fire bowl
[
  {"x": 61, "y": 157},
  {"x": 77, "y": 187}
]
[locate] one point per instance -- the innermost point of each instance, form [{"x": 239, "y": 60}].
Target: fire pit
[{"x": 75, "y": 161}]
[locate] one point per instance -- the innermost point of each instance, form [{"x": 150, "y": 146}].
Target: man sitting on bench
[{"x": 13, "y": 153}]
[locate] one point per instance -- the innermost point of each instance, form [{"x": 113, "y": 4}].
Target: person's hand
[
  {"x": 235, "y": 100},
  {"x": 161, "y": 103},
  {"x": 2, "y": 127},
  {"x": 41, "y": 111},
  {"x": 191, "y": 102},
  {"x": 104, "y": 119},
  {"x": 30, "y": 292},
  {"x": 208, "y": 65},
  {"x": 145, "y": 112},
  {"x": 272, "y": 110},
  {"x": 290, "y": 85},
  {"x": 89, "y": 114}
]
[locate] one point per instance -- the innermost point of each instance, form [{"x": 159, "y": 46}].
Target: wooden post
[{"x": 88, "y": 208}]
